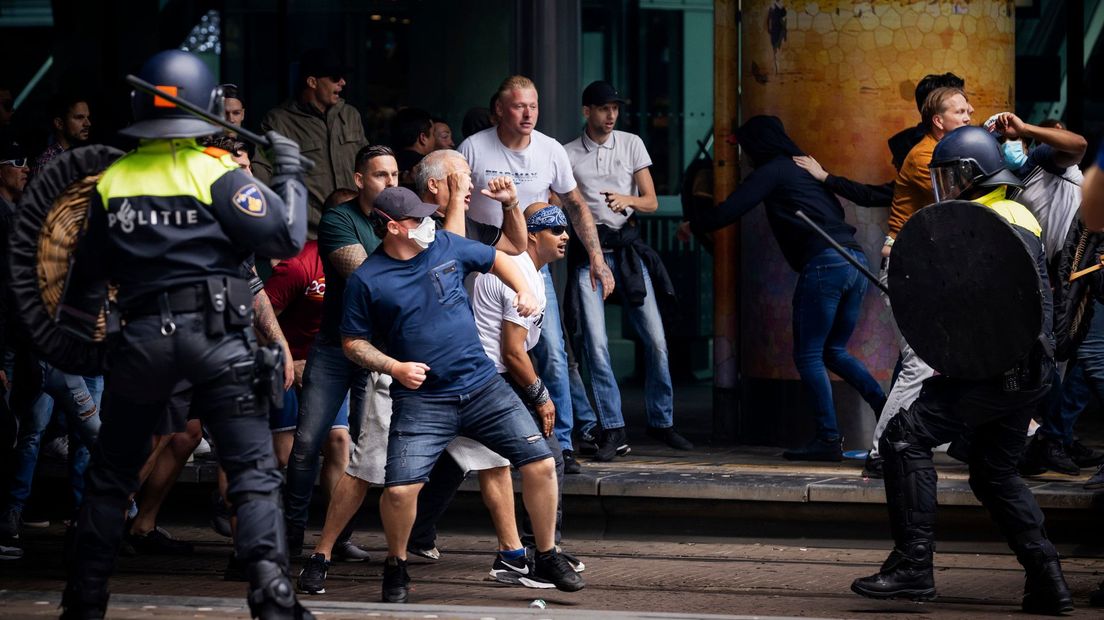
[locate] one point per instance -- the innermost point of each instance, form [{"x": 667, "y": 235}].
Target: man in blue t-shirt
[{"x": 409, "y": 297}]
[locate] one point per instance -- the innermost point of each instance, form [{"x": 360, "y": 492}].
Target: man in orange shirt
[{"x": 945, "y": 110}]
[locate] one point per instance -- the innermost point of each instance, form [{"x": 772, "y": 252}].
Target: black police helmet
[
  {"x": 186, "y": 76},
  {"x": 965, "y": 162}
]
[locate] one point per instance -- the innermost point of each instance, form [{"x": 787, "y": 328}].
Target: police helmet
[
  {"x": 968, "y": 160},
  {"x": 186, "y": 76}
]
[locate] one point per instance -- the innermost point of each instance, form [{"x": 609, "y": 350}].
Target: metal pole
[{"x": 844, "y": 253}]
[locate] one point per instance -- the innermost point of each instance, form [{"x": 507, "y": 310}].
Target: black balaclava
[{"x": 763, "y": 138}]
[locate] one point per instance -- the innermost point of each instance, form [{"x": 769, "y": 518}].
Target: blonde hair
[{"x": 936, "y": 103}]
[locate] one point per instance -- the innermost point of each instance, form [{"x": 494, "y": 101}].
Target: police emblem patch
[{"x": 250, "y": 200}]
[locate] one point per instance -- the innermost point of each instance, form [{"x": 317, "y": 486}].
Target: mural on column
[{"x": 841, "y": 76}]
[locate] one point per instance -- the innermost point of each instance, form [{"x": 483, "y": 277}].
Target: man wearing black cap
[
  {"x": 611, "y": 168},
  {"x": 329, "y": 131},
  {"x": 409, "y": 297}
]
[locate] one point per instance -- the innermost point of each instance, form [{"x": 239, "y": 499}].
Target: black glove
[{"x": 283, "y": 152}]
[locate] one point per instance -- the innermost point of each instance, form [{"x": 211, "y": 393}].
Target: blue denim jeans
[
  {"x": 658, "y": 393},
  {"x": 550, "y": 356},
  {"x": 1085, "y": 374},
  {"x": 327, "y": 378},
  {"x": 584, "y": 413},
  {"x": 78, "y": 398},
  {"x": 826, "y": 306},
  {"x": 422, "y": 425}
]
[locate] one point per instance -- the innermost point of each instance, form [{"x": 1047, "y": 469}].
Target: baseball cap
[
  {"x": 11, "y": 150},
  {"x": 319, "y": 62},
  {"x": 400, "y": 203},
  {"x": 601, "y": 93}
]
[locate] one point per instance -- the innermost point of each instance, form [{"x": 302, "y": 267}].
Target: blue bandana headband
[{"x": 548, "y": 217}]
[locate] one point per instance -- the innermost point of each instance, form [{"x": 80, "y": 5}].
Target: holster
[
  {"x": 229, "y": 305},
  {"x": 269, "y": 377}
]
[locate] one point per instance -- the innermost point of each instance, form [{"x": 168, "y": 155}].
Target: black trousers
[
  {"x": 997, "y": 423},
  {"x": 145, "y": 366}
]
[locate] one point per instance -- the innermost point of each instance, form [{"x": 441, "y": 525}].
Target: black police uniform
[
  {"x": 995, "y": 414},
  {"x": 177, "y": 221}
]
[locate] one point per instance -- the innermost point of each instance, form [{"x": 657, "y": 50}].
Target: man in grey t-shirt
[{"x": 611, "y": 168}]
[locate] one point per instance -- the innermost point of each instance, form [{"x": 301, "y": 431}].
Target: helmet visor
[{"x": 950, "y": 179}]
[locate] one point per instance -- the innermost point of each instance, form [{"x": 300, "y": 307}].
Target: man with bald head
[{"x": 443, "y": 178}]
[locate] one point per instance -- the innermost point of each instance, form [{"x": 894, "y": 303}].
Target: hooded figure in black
[{"x": 829, "y": 291}]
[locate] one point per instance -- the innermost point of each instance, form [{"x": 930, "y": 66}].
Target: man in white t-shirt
[
  {"x": 611, "y": 168},
  {"x": 507, "y": 337},
  {"x": 540, "y": 168}
]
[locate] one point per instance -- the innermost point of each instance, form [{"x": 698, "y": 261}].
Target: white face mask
[{"x": 424, "y": 234}]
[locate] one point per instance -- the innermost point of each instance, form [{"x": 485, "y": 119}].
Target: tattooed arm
[
  {"x": 364, "y": 354},
  {"x": 264, "y": 321},
  {"x": 583, "y": 223},
  {"x": 348, "y": 258}
]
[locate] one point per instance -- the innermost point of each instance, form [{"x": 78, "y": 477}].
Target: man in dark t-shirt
[
  {"x": 409, "y": 296},
  {"x": 345, "y": 238}
]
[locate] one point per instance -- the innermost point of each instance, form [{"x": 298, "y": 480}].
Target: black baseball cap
[
  {"x": 11, "y": 150},
  {"x": 601, "y": 93},
  {"x": 322, "y": 62},
  {"x": 399, "y": 203}
]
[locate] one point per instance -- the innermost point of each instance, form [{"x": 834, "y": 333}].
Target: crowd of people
[{"x": 421, "y": 336}]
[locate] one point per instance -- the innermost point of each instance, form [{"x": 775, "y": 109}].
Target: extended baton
[
  {"x": 844, "y": 253},
  {"x": 197, "y": 111}
]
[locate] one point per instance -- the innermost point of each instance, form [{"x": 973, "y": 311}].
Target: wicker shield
[
  {"x": 965, "y": 291},
  {"x": 48, "y": 225}
]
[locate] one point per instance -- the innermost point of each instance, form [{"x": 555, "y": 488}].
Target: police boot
[
  {"x": 1045, "y": 589},
  {"x": 907, "y": 573},
  {"x": 271, "y": 595},
  {"x": 80, "y": 605}
]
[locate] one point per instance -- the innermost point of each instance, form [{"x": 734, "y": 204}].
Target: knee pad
[{"x": 270, "y": 591}]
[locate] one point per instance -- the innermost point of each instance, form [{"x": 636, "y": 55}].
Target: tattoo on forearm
[
  {"x": 264, "y": 319},
  {"x": 348, "y": 258},
  {"x": 582, "y": 221},
  {"x": 365, "y": 355}
]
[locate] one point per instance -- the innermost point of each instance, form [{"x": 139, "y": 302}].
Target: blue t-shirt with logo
[{"x": 418, "y": 310}]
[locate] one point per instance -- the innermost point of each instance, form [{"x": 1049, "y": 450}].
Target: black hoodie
[{"x": 784, "y": 188}]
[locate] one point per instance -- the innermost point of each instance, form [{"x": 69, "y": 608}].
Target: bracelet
[
  {"x": 536, "y": 394},
  {"x": 889, "y": 241},
  {"x": 512, "y": 205}
]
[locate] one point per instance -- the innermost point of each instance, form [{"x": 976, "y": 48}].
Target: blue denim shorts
[
  {"x": 492, "y": 414},
  {"x": 287, "y": 417}
]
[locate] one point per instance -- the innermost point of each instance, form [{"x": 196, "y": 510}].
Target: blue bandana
[{"x": 547, "y": 217}]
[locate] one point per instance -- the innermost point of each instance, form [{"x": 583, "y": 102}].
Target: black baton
[
  {"x": 844, "y": 253},
  {"x": 195, "y": 110}
]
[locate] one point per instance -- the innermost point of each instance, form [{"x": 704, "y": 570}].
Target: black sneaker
[
  {"x": 396, "y": 581},
  {"x": 588, "y": 439},
  {"x": 1045, "y": 454},
  {"x": 874, "y": 467},
  {"x": 346, "y": 551},
  {"x": 1096, "y": 481},
  {"x": 312, "y": 579},
  {"x": 576, "y": 564},
  {"x": 670, "y": 437},
  {"x": 518, "y": 572},
  {"x": 9, "y": 525},
  {"x": 571, "y": 466},
  {"x": 554, "y": 567},
  {"x": 1083, "y": 455},
  {"x": 1096, "y": 599},
  {"x": 614, "y": 442},
  {"x": 9, "y": 551},
  {"x": 158, "y": 542},
  {"x": 817, "y": 450}
]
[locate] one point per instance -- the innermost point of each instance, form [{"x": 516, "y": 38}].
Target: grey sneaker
[
  {"x": 430, "y": 554},
  {"x": 346, "y": 551}
]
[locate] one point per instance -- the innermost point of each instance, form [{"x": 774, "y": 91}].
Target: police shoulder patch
[{"x": 250, "y": 200}]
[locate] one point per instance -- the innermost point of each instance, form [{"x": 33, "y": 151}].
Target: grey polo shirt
[{"x": 607, "y": 167}]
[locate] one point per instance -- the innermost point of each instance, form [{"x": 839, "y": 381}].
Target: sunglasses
[
  {"x": 557, "y": 230},
  {"x": 18, "y": 163}
]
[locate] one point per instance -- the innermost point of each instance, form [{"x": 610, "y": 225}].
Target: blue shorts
[
  {"x": 286, "y": 419},
  {"x": 492, "y": 414}
]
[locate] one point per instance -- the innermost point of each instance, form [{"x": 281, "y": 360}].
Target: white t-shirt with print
[
  {"x": 536, "y": 169},
  {"x": 492, "y": 303}
]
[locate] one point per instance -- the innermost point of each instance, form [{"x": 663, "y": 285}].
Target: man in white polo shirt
[
  {"x": 539, "y": 168},
  {"x": 611, "y": 168}
]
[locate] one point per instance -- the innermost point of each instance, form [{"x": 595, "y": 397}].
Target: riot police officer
[
  {"x": 967, "y": 165},
  {"x": 169, "y": 225}
]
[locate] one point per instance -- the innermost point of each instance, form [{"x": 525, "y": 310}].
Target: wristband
[
  {"x": 512, "y": 205},
  {"x": 889, "y": 241},
  {"x": 536, "y": 394}
]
